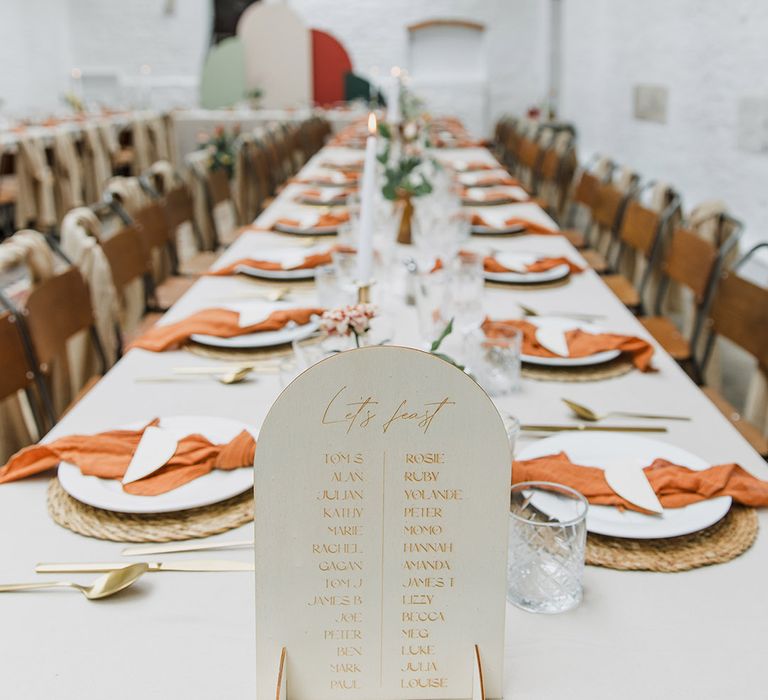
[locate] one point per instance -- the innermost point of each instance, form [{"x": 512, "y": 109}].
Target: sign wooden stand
[
  {"x": 382, "y": 512},
  {"x": 478, "y": 692}
]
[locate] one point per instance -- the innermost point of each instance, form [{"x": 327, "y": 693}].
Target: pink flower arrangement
[{"x": 346, "y": 320}]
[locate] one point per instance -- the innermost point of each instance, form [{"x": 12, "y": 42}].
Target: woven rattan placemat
[
  {"x": 721, "y": 542},
  {"x": 590, "y": 373},
  {"x": 161, "y": 527}
]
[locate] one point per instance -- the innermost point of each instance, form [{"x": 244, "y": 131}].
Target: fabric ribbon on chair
[
  {"x": 80, "y": 235},
  {"x": 158, "y": 138},
  {"x": 35, "y": 199},
  {"x": 68, "y": 171},
  {"x": 97, "y": 163},
  {"x": 142, "y": 157}
]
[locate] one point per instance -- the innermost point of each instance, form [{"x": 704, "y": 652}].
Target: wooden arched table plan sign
[{"x": 382, "y": 501}]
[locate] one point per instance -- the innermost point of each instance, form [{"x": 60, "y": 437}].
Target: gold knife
[
  {"x": 188, "y": 565},
  {"x": 173, "y": 547},
  {"x": 592, "y": 428}
]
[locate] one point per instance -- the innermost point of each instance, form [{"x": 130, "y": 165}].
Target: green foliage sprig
[{"x": 222, "y": 148}]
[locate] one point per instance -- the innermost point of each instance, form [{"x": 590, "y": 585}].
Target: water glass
[
  {"x": 330, "y": 293},
  {"x": 495, "y": 362},
  {"x": 431, "y": 290},
  {"x": 309, "y": 351},
  {"x": 345, "y": 263},
  {"x": 547, "y": 538},
  {"x": 512, "y": 426},
  {"x": 467, "y": 287},
  {"x": 288, "y": 370}
]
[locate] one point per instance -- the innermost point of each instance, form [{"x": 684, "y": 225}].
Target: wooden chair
[
  {"x": 19, "y": 372},
  {"x": 640, "y": 232},
  {"x": 277, "y": 171},
  {"x": 608, "y": 205},
  {"x": 217, "y": 192},
  {"x": 157, "y": 240},
  {"x": 56, "y": 310},
  {"x": 583, "y": 194},
  {"x": 127, "y": 258},
  {"x": 529, "y": 156},
  {"x": 555, "y": 176},
  {"x": 179, "y": 211},
  {"x": 739, "y": 312},
  {"x": 691, "y": 262}
]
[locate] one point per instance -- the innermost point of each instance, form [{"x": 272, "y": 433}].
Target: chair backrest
[
  {"x": 740, "y": 313},
  {"x": 528, "y": 153},
  {"x": 639, "y": 227},
  {"x": 179, "y": 207},
  {"x": 586, "y": 189},
  {"x": 690, "y": 261},
  {"x": 57, "y": 309},
  {"x": 218, "y": 187},
  {"x": 151, "y": 223},
  {"x": 16, "y": 374},
  {"x": 125, "y": 253},
  {"x": 607, "y": 205}
]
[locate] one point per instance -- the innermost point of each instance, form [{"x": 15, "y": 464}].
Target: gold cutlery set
[
  {"x": 587, "y": 414},
  {"x": 120, "y": 575},
  {"x": 232, "y": 373}
]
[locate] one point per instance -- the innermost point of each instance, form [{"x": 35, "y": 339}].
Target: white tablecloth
[{"x": 700, "y": 634}]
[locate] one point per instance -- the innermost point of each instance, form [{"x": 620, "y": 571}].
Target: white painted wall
[
  {"x": 374, "y": 32},
  {"x": 46, "y": 38},
  {"x": 34, "y": 55},
  {"x": 709, "y": 54}
]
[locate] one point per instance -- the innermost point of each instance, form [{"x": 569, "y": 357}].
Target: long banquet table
[{"x": 698, "y": 634}]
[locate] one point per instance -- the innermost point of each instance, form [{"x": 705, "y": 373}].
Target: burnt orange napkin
[
  {"x": 490, "y": 264},
  {"x": 309, "y": 262},
  {"x": 108, "y": 455},
  {"x": 313, "y": 193},
  {"x": 322, "y": 220},
  {"x": 222, "y": 323},
  {"x": 580, "y": 343},
  {"x": 530, "y": 226},
  {"x": 541, "y": 265},
  {"x": 493, "y": 197},
  {"x": 675, "y": 486},
  {"x": 478, "y": 165}
]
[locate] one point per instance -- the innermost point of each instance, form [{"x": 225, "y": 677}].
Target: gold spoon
[
  {"x": 102, "y": 587},
  {"x": 236, "y": 376},
  {"x": 588, "y": 414},
  {"x": 233, "y": 377},
  {"x": 266, "y": 295}
]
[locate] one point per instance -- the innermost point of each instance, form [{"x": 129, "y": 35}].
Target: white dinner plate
[
  {"x": 463, "y": 166},
  {"x": 524, "y": 258},
  {"x": 303, "y": 274},
  {"x": 264, "y": 339},
  {"x": 216, "y": 486},
  {"x": 567, "y": 324},
  {"x": 596, "y": 450},
  {"x": 311, "y": 231},
  {"x": 490, "y": 231},
  {"x": 475, "y": 202},
  {"x": 475, "y": 179}
]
